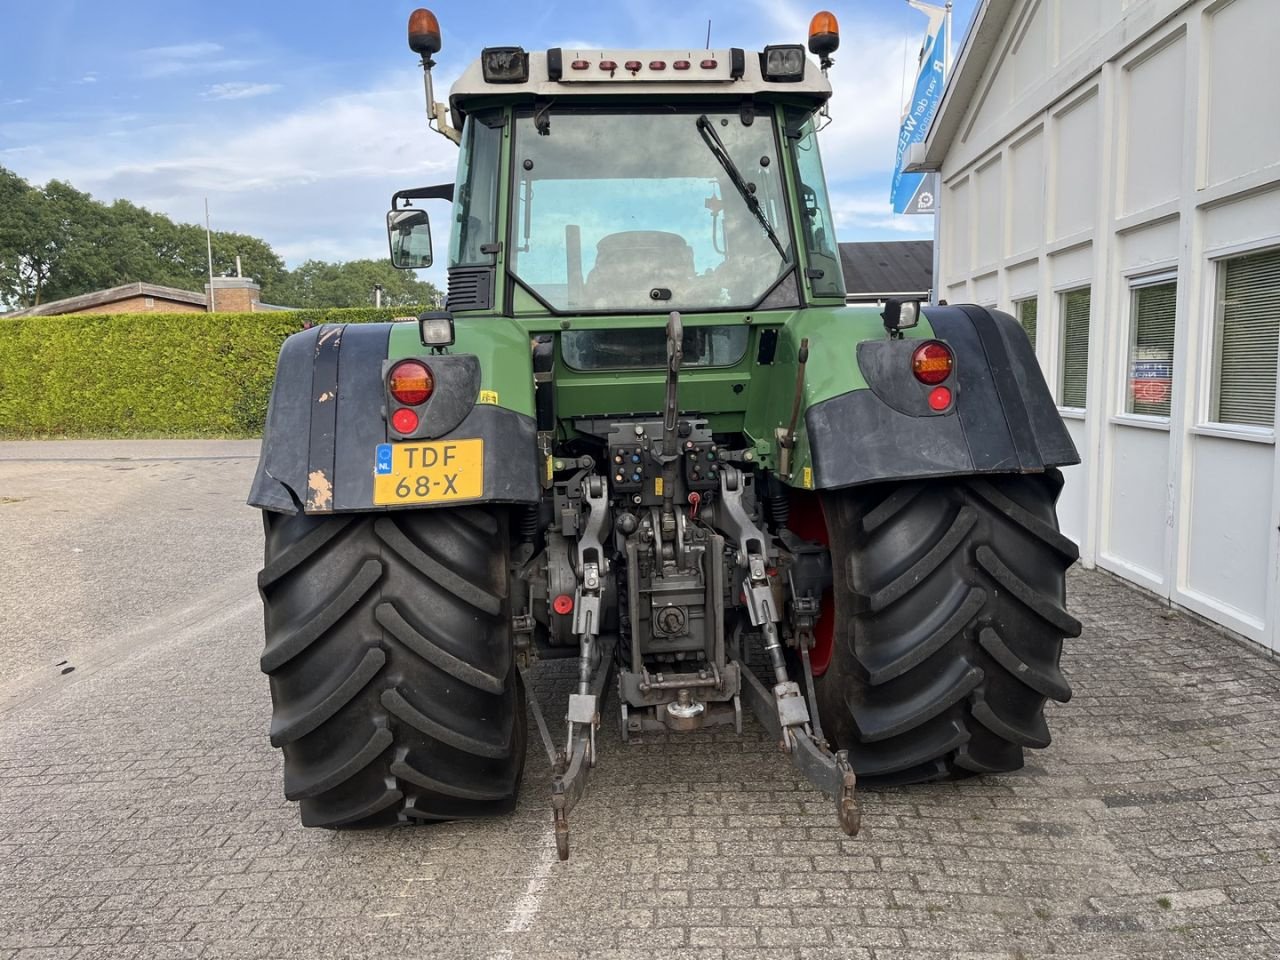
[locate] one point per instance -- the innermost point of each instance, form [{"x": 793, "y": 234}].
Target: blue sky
[{"x": 298, "y": 121}]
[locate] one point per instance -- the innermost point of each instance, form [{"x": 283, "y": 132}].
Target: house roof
[
  {"x": 99, "y": 297},
  {"x": 980, "y": 45},
  {"x": 885, "y": 269}
]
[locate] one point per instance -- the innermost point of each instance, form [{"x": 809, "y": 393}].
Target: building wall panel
[
  {"x": 986, "y": 289},
  {"x": 1077, "y": 162},
  {"x": 1023, "y": 281},
  {"x": 1073, "y": 267},
  {"x": 1244, "y": 88},
  {"x": 1079, "y": 21},
  {"x": 1073, "y": 505},
  {"x": 990, "y": 212},
  {"x": 1137, "y": 520},
  {"x": 958, "y": 227},
  {"x": 1154, "y": 244},
  {"x": 1230, "y": 532},
  {"x": 1253, "y": 219},
  {"x": 1026, "y": 214},
  {"x": 1152, "y": 128}
]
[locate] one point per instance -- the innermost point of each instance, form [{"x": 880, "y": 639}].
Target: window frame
[
  {"x": 1017, "y": 304},
  {"x": 1207, "y": 424},
  {"x": 1060, "y": 296},
  {"x": 768, "y": 300},
  {"x": 1135, "y": 283}
]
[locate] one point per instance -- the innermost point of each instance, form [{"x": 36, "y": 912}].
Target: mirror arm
[{"x": 440, "y": 191}]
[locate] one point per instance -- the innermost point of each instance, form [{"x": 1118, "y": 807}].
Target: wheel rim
[{"x": 807, "y": 520}]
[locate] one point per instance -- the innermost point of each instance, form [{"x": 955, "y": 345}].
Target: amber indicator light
[
  {"x": 410, "y": 382},
  {"x": 932, "y": 362}
]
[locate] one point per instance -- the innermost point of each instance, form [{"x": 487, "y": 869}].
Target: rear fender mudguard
[
  {"x": 326, "y": 418},
  {"x": 1003, "y": 419}
]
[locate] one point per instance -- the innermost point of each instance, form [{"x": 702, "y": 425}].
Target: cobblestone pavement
[{"x": 141, "y": 812}]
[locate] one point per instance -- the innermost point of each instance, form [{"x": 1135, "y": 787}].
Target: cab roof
[{"x": 566, "y": 74}]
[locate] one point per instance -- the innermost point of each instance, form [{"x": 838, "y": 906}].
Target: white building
[{"x": 1111, "y": 176}]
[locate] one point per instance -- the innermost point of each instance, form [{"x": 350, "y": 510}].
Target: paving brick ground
[{"x": 141, "y": 811}]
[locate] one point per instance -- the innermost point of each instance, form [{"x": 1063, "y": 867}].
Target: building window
[
  {"x": 1150, "y": 368},
  {"x": 1026, "y": 312},
  {"x": 1244, "y": 388},
  {"x": 1075, "y": 348}
]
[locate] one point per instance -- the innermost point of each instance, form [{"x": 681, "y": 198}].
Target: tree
[
  {"x": 351, "y": 284},
  {"x": 28, "y": 247},
  {"x": 56, "y": 241}
]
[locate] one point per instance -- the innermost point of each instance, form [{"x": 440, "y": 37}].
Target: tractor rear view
[{"x": 648, "y": 435}]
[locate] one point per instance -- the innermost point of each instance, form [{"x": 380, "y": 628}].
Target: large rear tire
[
  {"x": 388, "y": 643},
  {"x": 949, "y": 620}
]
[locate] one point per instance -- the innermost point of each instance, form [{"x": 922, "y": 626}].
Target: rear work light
[
  {"x": 932, "y": 362},
  {"x": 784, "y": 64},
  {"x": 410, "y": 382},
  {"x": 504, "y": 65}
]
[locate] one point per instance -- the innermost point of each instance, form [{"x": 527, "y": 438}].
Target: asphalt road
[{"x": 141, "y": 812}]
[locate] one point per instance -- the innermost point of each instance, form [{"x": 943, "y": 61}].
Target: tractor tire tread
[
  {"x": 395, "y": 693},
  {"x": 950, "y": 606}
]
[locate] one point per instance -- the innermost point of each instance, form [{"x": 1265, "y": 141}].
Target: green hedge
[{"x": 148, "y": 374}]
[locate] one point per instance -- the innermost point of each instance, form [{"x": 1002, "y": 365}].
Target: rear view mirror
[{"x": 409, "y": 233}]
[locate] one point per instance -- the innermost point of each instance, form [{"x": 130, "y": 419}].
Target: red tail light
[
  {"x": 932, "y": 362},
  {"x": 410, "y": 382}
]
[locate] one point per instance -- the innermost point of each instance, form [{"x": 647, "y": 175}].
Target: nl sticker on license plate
[{"x": 428, "y": 472}]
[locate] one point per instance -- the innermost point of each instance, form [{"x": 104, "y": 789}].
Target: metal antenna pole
[
  {"x": 708, "y": 33},
  {"x": 208, "y": 240}
]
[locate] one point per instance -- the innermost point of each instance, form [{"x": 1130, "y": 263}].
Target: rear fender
[
  {"x": 327, "y": 417},
  {"x": 1003, "y": 418}
]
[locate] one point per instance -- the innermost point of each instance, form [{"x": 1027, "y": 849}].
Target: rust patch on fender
[{"x": 319, "y": 491}]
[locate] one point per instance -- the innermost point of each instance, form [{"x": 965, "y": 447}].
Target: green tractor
[{"x": 648, "y": 434}]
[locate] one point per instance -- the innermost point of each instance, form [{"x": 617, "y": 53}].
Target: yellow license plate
[{"x": 428, "y": 472}]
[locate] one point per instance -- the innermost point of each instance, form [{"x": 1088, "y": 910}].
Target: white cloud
[
  {"x": 188, "y": 58},
  {"x": 314, "y": 182},
  {"x": 239, "y": 90},
  {"x": 89, "y": 77},
  {"x": 864, "y": 210},
  {"x": 161, "y": 67},
  {"x": 183, "y": 51}
]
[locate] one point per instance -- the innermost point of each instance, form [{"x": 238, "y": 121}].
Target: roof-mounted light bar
[{"x": 651, "y": 66}]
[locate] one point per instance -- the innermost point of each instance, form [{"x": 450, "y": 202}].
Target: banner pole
[{"x": 937, "y": 177}]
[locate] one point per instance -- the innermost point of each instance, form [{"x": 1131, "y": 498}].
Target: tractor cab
[{"x": 611, "y": 182}]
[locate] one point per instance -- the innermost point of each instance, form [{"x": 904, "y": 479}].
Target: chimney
[{"x": 234, "y": 294}]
